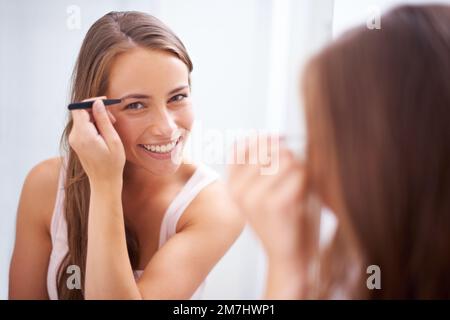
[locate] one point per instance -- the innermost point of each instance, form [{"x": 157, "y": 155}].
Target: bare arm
[
  {"x": 277, "y": 207},
  {"x": 29, "y": 263},
  {"x": 284, "y": 280},
  {"x": 108, "y": 270},
  {"x": 178, "y": 268}
]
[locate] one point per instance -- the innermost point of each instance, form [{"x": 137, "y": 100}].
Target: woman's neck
[{"x": 136, "y": 179}]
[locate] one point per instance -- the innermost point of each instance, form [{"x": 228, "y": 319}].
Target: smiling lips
[{"x": 161, "y": 148}]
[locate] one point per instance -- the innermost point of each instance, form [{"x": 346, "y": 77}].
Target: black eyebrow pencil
[{"x": 89, "y": 104}]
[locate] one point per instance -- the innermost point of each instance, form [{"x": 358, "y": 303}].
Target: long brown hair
[
  {"x": 111, "y": 35},
  {"x": 378, "y": 115}
]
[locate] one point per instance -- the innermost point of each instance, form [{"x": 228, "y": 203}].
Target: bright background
[{"x": 247, "y": 56}]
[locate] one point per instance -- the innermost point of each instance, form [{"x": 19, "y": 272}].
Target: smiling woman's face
[{"x": 156, "y": 115}]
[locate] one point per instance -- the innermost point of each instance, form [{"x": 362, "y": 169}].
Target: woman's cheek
[
  {"x": 185, "y": 117},
  {"x": 123, "y": 130}
]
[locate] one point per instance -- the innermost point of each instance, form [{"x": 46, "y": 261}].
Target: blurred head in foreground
[{"x": 377, "y": 104}]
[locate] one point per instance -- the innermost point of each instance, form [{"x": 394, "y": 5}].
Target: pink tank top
[{"x": 202, "y": 177}]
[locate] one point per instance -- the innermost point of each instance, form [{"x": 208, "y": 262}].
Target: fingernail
[{"x": 98, "y": 105}]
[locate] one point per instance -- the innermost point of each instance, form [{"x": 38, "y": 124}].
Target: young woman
[
  {"x": 377, "y": 105},
  {"x": 120, "y": 206}
]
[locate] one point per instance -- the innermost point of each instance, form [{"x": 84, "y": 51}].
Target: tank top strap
[{"x": 202, "y": 177}]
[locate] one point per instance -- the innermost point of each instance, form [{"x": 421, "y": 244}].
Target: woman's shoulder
[
  {"x": 201, "y": 172},
  {"x": 186, "y": 171},
  {"x": 212, "y": 205},
  {"x": 40, "y": 189}
]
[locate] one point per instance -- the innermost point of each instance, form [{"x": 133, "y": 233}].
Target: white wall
[{"x": 348, "y": 13}]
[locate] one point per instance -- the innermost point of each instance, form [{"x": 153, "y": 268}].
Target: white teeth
[{"x": 160, "y": 148}]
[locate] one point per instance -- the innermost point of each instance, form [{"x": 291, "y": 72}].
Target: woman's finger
[
  {"x": 240, "y": 171},
  {"x": 92, "y": 119},
  {"x": 79, "y": 117},
  {"x": 94, "y": 98},
  {"x": 288, "y": 192},
  {"x": 91, "y": 116},
  {"x": 262, "y": 186},
  {"x": 104, "y": 123}
]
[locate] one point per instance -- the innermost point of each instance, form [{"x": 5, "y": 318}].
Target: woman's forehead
[{"x": 147, "y": 71}]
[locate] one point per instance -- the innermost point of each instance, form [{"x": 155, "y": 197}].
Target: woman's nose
[{"x": 163, "y": 123}]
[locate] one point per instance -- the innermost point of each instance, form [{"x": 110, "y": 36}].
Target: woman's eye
[
  {"x": 135, "y": 106},
  {"x": 178, "y": 97}
]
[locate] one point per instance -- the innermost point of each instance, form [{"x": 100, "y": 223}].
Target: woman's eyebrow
[
  {"x": 145, "y": 96},
  {"x": 178, "y": 89},
  {"x": 136, "y": 96}
]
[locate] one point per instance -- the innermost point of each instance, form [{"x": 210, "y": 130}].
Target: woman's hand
[
  {"x": 277, "y": 208},
  {"x": 98, "y": 144}
]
